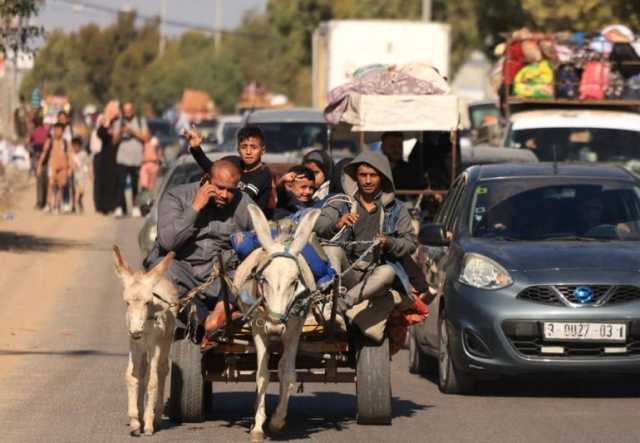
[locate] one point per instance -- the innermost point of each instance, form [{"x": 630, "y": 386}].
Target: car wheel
[
  {"x": 450, "y": 379},
  {"x": 418, "y": 361}
]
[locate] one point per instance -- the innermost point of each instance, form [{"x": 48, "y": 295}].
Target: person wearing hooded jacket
[
  {"x": 377, "y": 215},
  {"x": 321, "y": 164}
]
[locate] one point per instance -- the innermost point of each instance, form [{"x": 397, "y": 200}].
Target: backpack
[
  {"x": 632, "y": 88},
  {"x": 567, "y": 81},
  {"x": 594, "y": 81},
  {"x": 95, "y": 142}
]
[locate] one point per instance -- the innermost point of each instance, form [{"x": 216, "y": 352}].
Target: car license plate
[{"x": 613, "y": 332}]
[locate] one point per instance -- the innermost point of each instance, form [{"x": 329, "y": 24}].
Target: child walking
[
  {"x": 80, "y": 166},
  {"x": 150, "y": 165},
  {"x": 56, "y": 154}
]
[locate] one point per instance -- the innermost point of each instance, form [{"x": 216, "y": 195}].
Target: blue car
[{"x": 534, "y": 268}]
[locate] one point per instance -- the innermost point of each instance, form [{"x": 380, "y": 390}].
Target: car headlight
[
  {"x": 481, "y": 272},
  {"x": 153, "y": 233}
]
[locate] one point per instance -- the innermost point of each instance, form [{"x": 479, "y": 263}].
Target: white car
[{"x": 580, "y": 135}]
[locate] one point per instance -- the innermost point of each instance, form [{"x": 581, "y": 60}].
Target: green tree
[
  {"x": 390, "y": 9},
  {"x": 129, "y": 66},
  {"x": 548, "y": 15},
  {"x": 15, "y": 30},
  {"x": 58, "y": 70},
  {"x": 191, "y": 62},
  {"x": 95, "y": 64}
]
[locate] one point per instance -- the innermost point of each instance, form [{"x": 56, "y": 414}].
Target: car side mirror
[{"x": 433, "y": 234}]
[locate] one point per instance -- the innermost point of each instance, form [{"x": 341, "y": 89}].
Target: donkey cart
[
  {"x": 319, "y": 352},
  {"x": 325, "y": 355}
]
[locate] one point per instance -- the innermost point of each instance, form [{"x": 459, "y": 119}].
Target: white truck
[
  {"x": 342, "y": 46},
  {"x": 579, "y": 134}
]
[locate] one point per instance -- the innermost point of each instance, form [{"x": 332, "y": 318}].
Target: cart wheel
[
  {"x": 190, "y": 394},
  {"x": 373, "y": 384}
]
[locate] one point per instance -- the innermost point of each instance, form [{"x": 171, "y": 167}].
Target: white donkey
[
  {"x": 280, "y": 270},
  {"x": 151, "y": 321}
]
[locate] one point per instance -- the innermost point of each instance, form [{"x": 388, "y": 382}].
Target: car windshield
[
  {"x": 161, "y": 127},
  {"x": 543, "y": 209},
  {"x": 483, "y": 115},
  {"x": 287, "y": 137},
  {"x": 579, "y": 144}
]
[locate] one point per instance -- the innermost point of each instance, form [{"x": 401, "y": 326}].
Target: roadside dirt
[
  {"x": 39, "y": 256},
  {"x": 12, "y": 183}
]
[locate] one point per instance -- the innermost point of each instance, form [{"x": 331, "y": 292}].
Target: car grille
[
  {"x": 561, "y": 295},
  {"x": 568, "y": 293},
  {"x": 541, "y": 294},
  {"x": 526, "y": 337},
  {"x": 623, "y": 294}
]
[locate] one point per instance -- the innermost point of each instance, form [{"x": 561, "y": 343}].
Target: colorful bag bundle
[
  {"x": 535, "y": 80},
  {"x": 573, "y": 66}
]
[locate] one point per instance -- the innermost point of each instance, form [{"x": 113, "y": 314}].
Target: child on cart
[{"x": 256, "y": 179}]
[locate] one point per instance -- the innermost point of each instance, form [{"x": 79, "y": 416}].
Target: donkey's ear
[
  {"x": 159, "y": 269},
  {"x": 261, "y": 226},
  {"x": 303, "y": 231},
  {"x": 122, "y": 268}
]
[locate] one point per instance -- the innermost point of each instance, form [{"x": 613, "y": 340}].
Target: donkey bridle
[{"x": 260, "y": 302}]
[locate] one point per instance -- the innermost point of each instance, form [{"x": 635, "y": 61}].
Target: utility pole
[
  {"x": 426, "y": 10},
  {"x": 218, "y": 26},
  {"x": 163, "y": 30}
]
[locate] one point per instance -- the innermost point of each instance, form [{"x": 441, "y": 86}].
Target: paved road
[{"x": 65, "y": 383}]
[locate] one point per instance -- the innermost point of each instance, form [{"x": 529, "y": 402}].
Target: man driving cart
[{"x": 372, "y": 236}]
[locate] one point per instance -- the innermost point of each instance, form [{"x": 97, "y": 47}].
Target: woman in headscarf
[
  {"x": 321, "y": 164},
  {"x": 104, "y": 161}
]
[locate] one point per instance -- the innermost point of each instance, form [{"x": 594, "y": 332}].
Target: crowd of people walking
[{"x": 116, "y": 152}]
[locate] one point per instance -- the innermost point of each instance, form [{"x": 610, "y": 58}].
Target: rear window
[
  {"x": 288, "y": 137},
  {"x": 182, "y": 174},
  {"x": 229, "y": 131},
  {"x": 159, "y": 127}
]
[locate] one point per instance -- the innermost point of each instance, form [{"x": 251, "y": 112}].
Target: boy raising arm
[{"x": 256, "y": 176}]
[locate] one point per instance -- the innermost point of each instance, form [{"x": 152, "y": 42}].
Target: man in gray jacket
[
  {"x": 375, "y": 215},
  {"x": 196, "y": 221}
]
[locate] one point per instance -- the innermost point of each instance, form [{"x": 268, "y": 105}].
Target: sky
[{"x": 71, "y": 15}]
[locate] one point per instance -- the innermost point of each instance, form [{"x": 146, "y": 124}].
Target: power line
[{"x": 170, "y": 22}]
